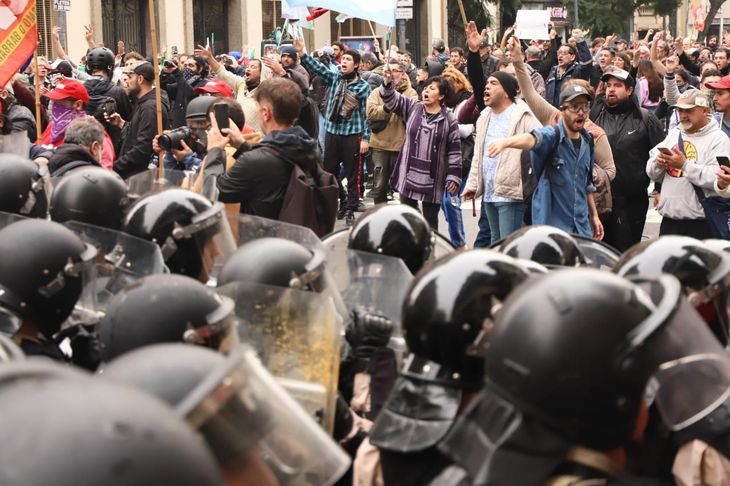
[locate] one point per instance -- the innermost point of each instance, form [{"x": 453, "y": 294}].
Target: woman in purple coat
[{"x": 431, "y": 156}]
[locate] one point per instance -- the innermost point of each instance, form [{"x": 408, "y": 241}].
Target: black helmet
[
  {"x": 166, "y": 309},
  {"x": 544, "y": 244},
  {"x": 198, "y": 107},
  {"x": 99, "y": 58},
  {"x": 270, "y": 261},
  {"x": 573, "y": 348},
  {"x": 445, "y": 327},
  {"x": 395, "y": 230},
  {"x": 90, "y": 195},
  {"x": 236, "y": 405},
  {"x": 43, "y": 272},
  {"x": 183, "y": 224},
  {"x": 24, "y": 187},
  {"x": 703, "y": 272},
  {"x": 111, "y": 435}
]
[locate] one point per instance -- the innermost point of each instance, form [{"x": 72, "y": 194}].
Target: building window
[
  {"x": 47, "y": 18},
  {"x": 270, "y": 16}
]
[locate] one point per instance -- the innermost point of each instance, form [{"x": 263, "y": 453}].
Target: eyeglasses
[
  {"x": 565, "y": 53},
  {"x": 575, "y": 108}
]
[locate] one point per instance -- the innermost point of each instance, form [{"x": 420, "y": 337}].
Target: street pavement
[{"x": 651, "y": 229}]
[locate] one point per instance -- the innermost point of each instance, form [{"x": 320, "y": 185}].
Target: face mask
[
  {"x": 61, "y": 118},
  {"x": 188, "y": 73},
  {"x": 201, "y": 142}
]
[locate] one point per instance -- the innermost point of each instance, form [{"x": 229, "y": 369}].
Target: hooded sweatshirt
[
  {"x": 679, "y": 200},
  {"x": 260, "y": 176}
]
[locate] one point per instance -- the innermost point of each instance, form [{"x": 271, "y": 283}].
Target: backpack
[{"x": 311, "y": 198}]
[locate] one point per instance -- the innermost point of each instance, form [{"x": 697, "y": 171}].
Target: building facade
[{"x": 230, "y": 25}]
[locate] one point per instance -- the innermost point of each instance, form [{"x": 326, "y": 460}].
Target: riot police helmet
[
  {"x": 703, "y": 271},
  {"x": 91, "y": 195},
  {"x": 44, "y": 271},
  {"x": 395, "y": 230},
  {"x": 163, "y": 309},
  {"x": 547, "y": 245},
  {"x": 448, "y": 327},
  {"x": 190, "y": 230},
  {"x": 198, "y": 107},
  {"x": 24, "y": 186}
]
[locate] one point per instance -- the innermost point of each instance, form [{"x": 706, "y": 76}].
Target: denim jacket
[{"x": 564, "y": 181}]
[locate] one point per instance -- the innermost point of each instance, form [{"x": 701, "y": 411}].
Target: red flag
[
  {"x": 317, "y": 12},
  {"x": 18, "y": 36}
]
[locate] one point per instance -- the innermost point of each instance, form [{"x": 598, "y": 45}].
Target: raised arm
[{"x": 543, "y": 111}]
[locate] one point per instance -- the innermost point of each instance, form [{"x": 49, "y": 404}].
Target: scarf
[
  {"x": 339, "y": 96},
  {"x": 61, "y": 118}
]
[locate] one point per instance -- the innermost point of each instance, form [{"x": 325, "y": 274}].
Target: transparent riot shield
[
  {"x": 121, "y": 259},
  {"x": 372, "y": 283},
  {"x": 149, "y": 182},
  {"x": 297, "y": 335},
  {"x": 15, "y": 143},
  {"x": 242, "y": 407},
  {"x": 246, "y": 228},
  {"x": 600, "y": 255},
  {"x": 336, "y": 242}
]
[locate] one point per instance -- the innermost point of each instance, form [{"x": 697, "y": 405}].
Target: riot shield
[
  {"x": 297, "y": 335},
  {"x": 242, "y": 407},
  {"x": 149, "y": 182},
  {"x": 15, "y": 143},
  {"x": 600, "y": 255},
  {"x": 121, "y": 259},
  {"x": 374, "y": 283},
  {"x": 246, "y": 228},
  {"x": 336, "y": 242}
]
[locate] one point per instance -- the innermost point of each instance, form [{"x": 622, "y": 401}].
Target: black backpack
[{"x": 311, "y": 198}]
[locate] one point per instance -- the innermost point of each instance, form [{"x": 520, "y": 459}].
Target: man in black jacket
[
  {"x": 632, "y": 132},
  {"x": 137, "y": 135},
  {"x": 259, "y": 178}
]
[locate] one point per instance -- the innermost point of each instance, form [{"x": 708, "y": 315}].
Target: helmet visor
[
  {"x": 121, "y": 259},
  {"x": 149, "y": 182},
  {"x": 242, "y": 407},
  {"x": 220, "y": 331},
  {"x": 691, "y": 388},
  {"x": 16, "y": 143}
]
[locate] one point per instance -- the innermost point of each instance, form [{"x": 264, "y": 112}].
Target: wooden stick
[
  {"x": 463, "y": 13},
  {"x": 156, "y": 63},
  {"x": 375, "y": 37},
  {"x": 38, "y": 130}
]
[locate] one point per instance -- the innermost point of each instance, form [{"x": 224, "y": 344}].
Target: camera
[{"x": 171, "y": 140}]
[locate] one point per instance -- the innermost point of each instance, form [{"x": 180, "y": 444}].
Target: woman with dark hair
[
  {"x": 651, "y": 86},
  {"x": 430, "y": 160},
  {"x": 621, "y": 60}
]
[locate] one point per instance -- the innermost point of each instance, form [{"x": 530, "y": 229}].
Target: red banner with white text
[{"x": 18, "y": 36}]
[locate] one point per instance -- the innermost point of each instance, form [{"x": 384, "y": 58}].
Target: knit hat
[
  {"x": 508, "y": 82},
  {"x": 289, "y": 51}
]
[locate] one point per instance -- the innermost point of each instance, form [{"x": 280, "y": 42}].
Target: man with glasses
[
  {"x": 687, "y": 158},
  {"x": 632, "y": 132},
  {"x": 562, "y": 159},
  {"x": 573, "y": 62}
]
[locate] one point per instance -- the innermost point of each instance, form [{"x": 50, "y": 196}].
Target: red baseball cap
[
  {"x": 215, "y": 87},
  {"x": 724, "y": 83},
  {"x": 69, "y": 88}
]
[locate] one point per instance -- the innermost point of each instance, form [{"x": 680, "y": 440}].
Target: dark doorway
[
  {"x": 125, "y": 21},
  {"x": 210, "y": 21}
]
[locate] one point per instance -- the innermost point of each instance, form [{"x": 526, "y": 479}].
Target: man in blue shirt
[{"x": 563, "y": 162}]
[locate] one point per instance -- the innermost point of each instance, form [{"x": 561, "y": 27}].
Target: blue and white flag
[{"x": 380, "y": 11}]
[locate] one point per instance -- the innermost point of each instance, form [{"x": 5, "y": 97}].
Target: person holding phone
[{"x": 686, "y": 163}]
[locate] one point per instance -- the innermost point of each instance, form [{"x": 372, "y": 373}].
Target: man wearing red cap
[
  {"x": 721, "y": 100},
  {"x": 215, "y": 87},
  {"x": 69, "y": 98}
]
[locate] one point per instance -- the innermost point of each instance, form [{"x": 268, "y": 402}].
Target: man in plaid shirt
[{"x": 346, "y": 125}]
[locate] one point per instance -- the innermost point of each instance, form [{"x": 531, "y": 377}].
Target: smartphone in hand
[
  {"x": 221, "y": 115},
  {"x": 722, "y": 160}
]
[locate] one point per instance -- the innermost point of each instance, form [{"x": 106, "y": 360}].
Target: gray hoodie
[{"x": 678, "y": 199}]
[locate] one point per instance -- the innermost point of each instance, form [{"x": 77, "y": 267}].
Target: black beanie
[{"x": 508, "y": 82}]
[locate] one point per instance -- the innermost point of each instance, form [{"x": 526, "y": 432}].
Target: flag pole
[
  {"x": 372, "y": 31},
  {"x": 463, "y": 13},
  {"x": 37, "y": 80},
  {"x": 158, "y": 98}
]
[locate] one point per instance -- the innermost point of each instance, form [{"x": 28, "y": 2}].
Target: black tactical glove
[{"x": 367, "y": 332}]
